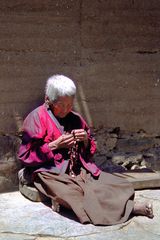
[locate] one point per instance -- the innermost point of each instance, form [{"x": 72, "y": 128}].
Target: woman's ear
[{"x": 47, "y": 100}]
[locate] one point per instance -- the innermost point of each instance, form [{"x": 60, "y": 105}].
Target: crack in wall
[{"x": 147, "y": 52}]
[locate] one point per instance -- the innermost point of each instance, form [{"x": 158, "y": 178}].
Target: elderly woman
[{"x": 57, "y": 146}]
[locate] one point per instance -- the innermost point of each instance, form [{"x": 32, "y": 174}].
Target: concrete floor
[{"x": 22, "y": 219}]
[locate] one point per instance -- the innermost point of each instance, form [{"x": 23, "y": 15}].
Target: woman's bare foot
[
  {"x": 144, "y": 209},
  {"x": 55, "y": 206}
]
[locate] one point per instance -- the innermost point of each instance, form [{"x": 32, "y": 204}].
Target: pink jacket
[{"x": 39, "y": 129}]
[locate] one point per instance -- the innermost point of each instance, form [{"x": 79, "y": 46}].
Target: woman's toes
[{"x": 149, "y": 208}]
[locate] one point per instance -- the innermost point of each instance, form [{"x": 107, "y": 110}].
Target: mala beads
[{"x": 73, "y": 157}]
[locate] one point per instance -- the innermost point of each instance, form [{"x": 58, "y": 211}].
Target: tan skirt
[{"x": 107, "y": 200}]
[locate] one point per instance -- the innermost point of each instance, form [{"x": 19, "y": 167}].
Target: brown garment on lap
[{"x": 107, "y": 200}]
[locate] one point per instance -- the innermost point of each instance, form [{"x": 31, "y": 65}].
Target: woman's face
[{"x": 63, "y": 106}]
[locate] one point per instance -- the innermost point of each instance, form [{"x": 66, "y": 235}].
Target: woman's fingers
[
  {"x": 80, "y": 134},
  {"x": 67, "y": 140}
]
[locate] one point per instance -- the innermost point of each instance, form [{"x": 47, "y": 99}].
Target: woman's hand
[
  {"x": 80, "y": 135},
  {"x": 64, "y": 141}
]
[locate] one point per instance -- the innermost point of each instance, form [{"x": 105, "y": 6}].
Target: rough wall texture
[{"x": 110, "y": 48}]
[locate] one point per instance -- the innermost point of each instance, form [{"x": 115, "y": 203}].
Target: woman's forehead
[{"x": 65, "y": 99}]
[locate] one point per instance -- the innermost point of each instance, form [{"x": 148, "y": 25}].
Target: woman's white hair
[{"x": 59, "y": 86}]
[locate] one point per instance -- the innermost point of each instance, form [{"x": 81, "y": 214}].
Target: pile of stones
[{"x": 118, "y": 150}]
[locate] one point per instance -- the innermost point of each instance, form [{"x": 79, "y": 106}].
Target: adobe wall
[{"x": 110, "y": 48}]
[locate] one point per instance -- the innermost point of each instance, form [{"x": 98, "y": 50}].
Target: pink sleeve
[
  {"x": 87, "y": 153},
  {"x": 33, "y": 150},
  {"x": 91, "y": 148}
]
